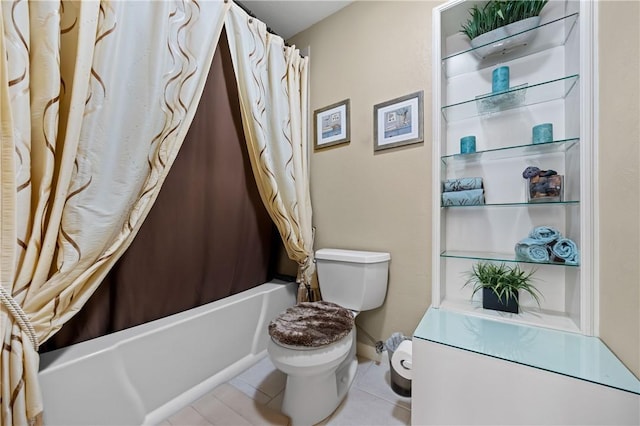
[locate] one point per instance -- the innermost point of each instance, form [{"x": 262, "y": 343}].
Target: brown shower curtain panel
[{"x": 208, "y": 235}]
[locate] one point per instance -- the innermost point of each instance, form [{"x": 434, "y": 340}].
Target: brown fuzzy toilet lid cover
[{"x": 311, "y": 324}]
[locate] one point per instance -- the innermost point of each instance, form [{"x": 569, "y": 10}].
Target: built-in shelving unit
[
  {"x": 551, "y": 82},
  {"x": 460, "y": 349}
]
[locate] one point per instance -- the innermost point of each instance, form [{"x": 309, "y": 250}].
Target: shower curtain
[
  {"x": 222, "y": 240},
  {"x": 215, "y": 256},
  {"x": 95, "y": 100},
  {"x": 272, "y": 84}
]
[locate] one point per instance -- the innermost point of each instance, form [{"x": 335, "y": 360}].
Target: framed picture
[
  {"x": 331, "y": 125},
  {"x": 398, "y": 122}
]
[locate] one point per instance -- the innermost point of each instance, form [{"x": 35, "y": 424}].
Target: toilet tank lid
[{"x": 354, "y": 256}]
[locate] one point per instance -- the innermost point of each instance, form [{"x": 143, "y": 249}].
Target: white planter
[{"x": 504, "y": 39}]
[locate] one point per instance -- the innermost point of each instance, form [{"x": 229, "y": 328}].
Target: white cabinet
[
  {"x": 551, "y": 81},
  {"x": 472, "y": 370},
  {"x": 459, "y": 387}
]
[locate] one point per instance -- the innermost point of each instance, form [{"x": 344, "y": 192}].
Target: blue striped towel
[
  {"x": 472, "y": 197},
  {"x": 462, "y": 184}
]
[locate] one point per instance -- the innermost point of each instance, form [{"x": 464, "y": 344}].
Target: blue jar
[
  {"x": 468, "y": 145},
  {"x": 500, "y": 80},
  {"x": 543, "y": 133}
]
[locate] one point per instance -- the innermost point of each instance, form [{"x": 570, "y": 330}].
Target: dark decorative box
[{"x": 545, "y": 188}]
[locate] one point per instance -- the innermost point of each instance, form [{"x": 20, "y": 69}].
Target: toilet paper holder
[{"x": 400, "y": 363}]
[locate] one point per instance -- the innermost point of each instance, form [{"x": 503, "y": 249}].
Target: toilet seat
[
  {"x": 311, "y": 325},
  {"x": 309, "y": 361},
  {"x": 297, "y": 347},
  {"x": 309, "y": 348}
]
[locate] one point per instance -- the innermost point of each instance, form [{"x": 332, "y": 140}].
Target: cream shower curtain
[
  {"x": 95, "y": 100},
  {"x": 272, "y": 82}
]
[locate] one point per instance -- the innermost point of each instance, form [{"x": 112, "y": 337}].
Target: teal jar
[
  {"x": 467, "y": 145},
  {"x": 500, "y": 80},
  {"x": 542, "y": 133}
]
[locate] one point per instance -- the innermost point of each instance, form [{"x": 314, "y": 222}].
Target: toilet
[{"x": 320, "y": 365}]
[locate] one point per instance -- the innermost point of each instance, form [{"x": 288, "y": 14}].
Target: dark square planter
[{"x": 490, "y": 301}]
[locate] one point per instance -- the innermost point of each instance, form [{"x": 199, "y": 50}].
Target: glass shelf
[
  {"x": 492, "y": 102},
  {"x": 548, "y": 35},
  {"x": 562, "y": 145},
  {"x": 517, "y": 204},
  {"x": 498, "y": 257},
  {"x": 537, "y": 93}
]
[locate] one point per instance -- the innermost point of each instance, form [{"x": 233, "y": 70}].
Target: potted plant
[
  {"x": 501, "y": 284},
  {"x": 501, "y": 25}
]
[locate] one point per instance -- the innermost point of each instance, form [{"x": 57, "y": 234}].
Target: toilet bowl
[
  {"x": 317, "y": 378},
  {"x": 320, "y": 370}
]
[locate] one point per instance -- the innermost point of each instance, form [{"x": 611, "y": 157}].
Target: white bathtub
[{"x": 146, "y": 373}]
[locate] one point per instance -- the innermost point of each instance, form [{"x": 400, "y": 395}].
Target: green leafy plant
[
  {"x": 498, "y": 13},
  {"x": 503, "y": 280}
]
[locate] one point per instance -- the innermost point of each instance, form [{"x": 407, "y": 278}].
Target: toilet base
[{"x": 328, "y": 392}]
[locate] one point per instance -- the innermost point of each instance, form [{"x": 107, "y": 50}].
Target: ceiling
[{"x": 288, "y": 18}]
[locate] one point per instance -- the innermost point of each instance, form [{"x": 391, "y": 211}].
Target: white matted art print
[
  {"x": 398, "y": 122},
  {"x": 331, "y": 125}
]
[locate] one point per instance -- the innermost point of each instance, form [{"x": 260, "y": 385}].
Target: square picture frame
[
  {"x": 398, "y": 122},
  {"x": 331, "y": 125}
]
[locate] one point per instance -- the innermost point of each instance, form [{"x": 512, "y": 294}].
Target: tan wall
[
  {"x": 374, "y": 51},
  {"x": 371, "y": 52},
  {"x": 619, "y": 50}
]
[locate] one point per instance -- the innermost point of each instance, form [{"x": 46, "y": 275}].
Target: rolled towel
[
  {"x": 545, "y": 234},
  {"x": 532, "y": 250},
  {"x": 566, "y": 250},
  {"x": 462, "y": 184},
  {"x": 472, "y": 197}
]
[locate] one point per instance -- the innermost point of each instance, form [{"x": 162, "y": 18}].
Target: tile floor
[{"x": 254, "y": 398}]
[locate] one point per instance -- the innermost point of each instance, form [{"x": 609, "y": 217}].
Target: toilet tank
[{"x": 355, "y": 280}]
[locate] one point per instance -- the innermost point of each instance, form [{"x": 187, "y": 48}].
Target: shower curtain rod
[{"x": 253, "y": 15}]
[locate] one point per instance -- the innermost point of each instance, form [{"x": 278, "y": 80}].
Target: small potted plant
[
  {"x": 501, "y": 25},
  {"x": 501, "y": 284}
]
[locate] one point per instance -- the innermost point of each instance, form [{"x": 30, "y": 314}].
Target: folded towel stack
[
  {"x": 545, "y": 244},
  {"x": 462, "y": 192}
]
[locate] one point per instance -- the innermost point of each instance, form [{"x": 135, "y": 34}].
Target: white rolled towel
[{"x": 401, "y": 360}]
